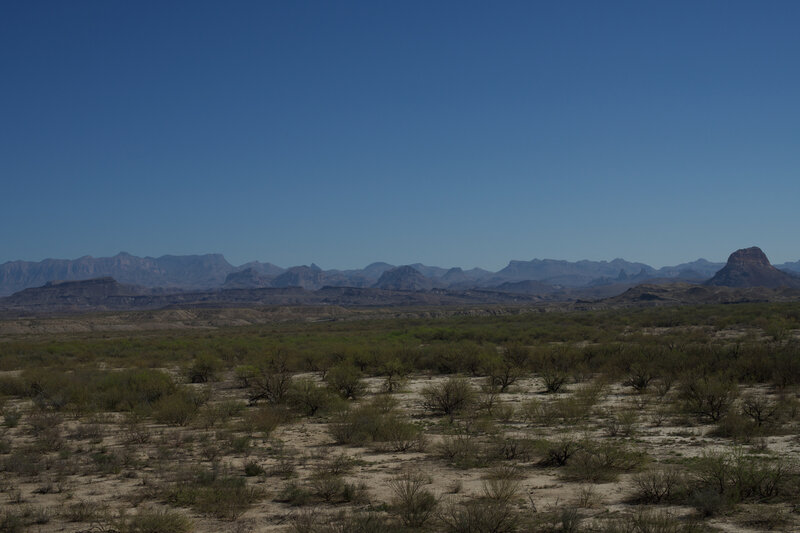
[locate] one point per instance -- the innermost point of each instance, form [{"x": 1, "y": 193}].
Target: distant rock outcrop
[
  {"x": 249, "y": 278},
  {"x": 749, "y": 267},
  {"x": 403, "y": 278},
  {"x": 307, "y": 277}
]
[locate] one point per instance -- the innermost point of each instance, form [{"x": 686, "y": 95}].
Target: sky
[{"x": 455, "y": 133}]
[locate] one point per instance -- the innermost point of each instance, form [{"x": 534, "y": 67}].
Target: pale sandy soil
[{"x": 673, "y": 440}]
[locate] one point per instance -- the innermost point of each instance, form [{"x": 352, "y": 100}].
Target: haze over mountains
[{"x": 212, "y": 271}]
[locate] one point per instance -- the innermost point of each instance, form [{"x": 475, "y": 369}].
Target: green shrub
[
  {"x": 204, "y": 368},
  {"x": 449, "y": 397},
  {"x": 179, "y": 408},
  {"x": 346, "y": 381},
  {"x": 309, "y": 398}
]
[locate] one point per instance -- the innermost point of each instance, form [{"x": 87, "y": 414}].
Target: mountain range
[
  {"x": 127, "y": 281},
  {"x": 212, "y": 271}
]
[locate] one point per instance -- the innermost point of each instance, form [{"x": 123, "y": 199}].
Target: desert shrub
[
  {"x": 708, "y": 502},
  {"x": 639, "y": 376},
  {"x": 252, "y": 468},
  {"x": 740, "y": 477},
  {"x": 401, "y": 435},
  {"x": 602, "y": 462},
  {"x": 559, "y": 451},
  {"x": 244, "y": 374},
  {"x": 154, "y": 521},
  {"x": 270, "y": 381},
  {"x": 502, "y": 485},
  {"x": 309, "y": 398},
  {"x": 221, "y": 496},
  {"x": 737, "y": 427},
  {"x": 83, "y": 511},
  {"x": 294, "y": 494},
  {"x": 413, "y": 503},
  {"x": 557, "y": 520},
  {"x": 760, "y": 409},
  {"x": 13, "y": 386},
  {"x": 346, "y": 380},
  {"x": 553, "y": 367},
  {"x": 343, "y": 522},
  {"x": 622, "y": 422},
  {"x": 513, "y": 448},
  {"x": 478, "y": 515},
  {"x": 264, "y": 420},
  {"x": 651, "y": 522},
  {"x": 126, "y": 390},
  {"x": 12, "y": 521},
  {"x": 709, "y": 396},
  {"x": 449, "y": 397},
  {"x": 204, "y": 368},
  {"x": 179, "y": 408},
  {"x": 662, "y": 484},
  {"x": 11, "y": 417},
  {"x": 463, "y": 450},
  {"x": 327, "y": 485},
  {"x": 395, "y": 372}
]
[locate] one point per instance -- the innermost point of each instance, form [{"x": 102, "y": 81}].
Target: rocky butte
[{"x": 749, "y": 267}]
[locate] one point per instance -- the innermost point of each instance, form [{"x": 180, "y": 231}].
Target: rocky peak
[
  {"x": 749, "y": 256},
  {"x": 749, "y": 267}
]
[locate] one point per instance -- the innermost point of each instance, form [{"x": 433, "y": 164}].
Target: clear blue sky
[{"x": 451, "y": 133}]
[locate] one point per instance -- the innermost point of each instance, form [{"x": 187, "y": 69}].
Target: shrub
[
  {"x": 413, "y": 503},
  {"x": 449, "y": 397},
  {"x": 204, "y": 368},
  {"x": 264, "y": 420},
  {"x": 346, "y": 381},
  {"x": 740, "y": 477},
  {"x": 270, "y": 382},
  {"x": 11, "y": 417},
  {"x": 149, "y": 521},
  {"x": 760, "y": 409},
  {"x": 655, "y": 486},
  {"x": 480, "y": 515},
  {"x": 709, "y": 396},
  {"x": 651, "y": 522},
  {"x": 309, "y": 398},
  {"x": 558, "y": 452},
  {"x": 602, "y": 462},
  {"x": 178, "y": 408}
]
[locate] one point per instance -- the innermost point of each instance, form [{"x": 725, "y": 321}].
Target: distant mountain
[
  {"x": 700, "y": 269},
  {"x": 249, "y": 278},
  {"x": 100, "y": 293},
  {"x": 526, "y": 287},
  {"x": 266, "y": 269},
  {"x": 567, "y": 273},
  {"x": 212, "y": 271},
  {"x": 404, "y": 278},
  {"x": 187, "y": 271},
  {"x": 749, "y": 267},
  {"x": 789, "y": 267},
  {"x": 306, "y": 277}
]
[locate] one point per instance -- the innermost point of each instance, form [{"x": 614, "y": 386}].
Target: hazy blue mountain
[
  {"x": 188, "y": 271},
  {"x": 566, "y": 273},
  {"x": 789, "y": 267},
  {"x": 404, "y": 278},
  {"x": 211, "y": 271},
  {"x": 702, "y": 268}
]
